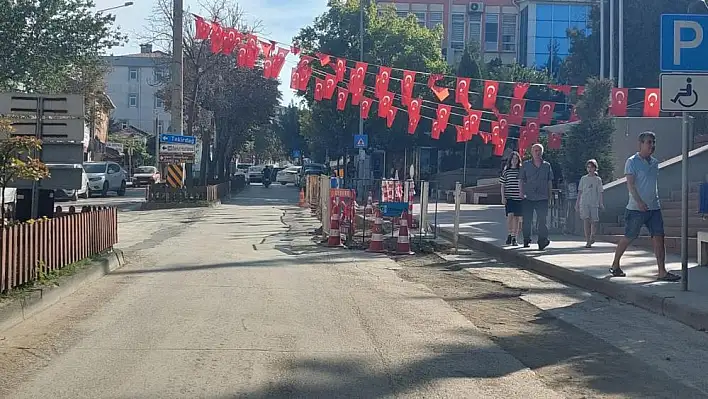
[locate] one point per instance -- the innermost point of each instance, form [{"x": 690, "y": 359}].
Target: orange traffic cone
[
  {"x": 334, "y": 239},
  {"x": 376, "y": 244},
  {"x": 301, "y": 201},
  {"x": 403, "y": 245}
]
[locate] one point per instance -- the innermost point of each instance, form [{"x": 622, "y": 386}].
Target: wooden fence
[
  {"x": 164, "y": 193},
  {"x": 46, "y": 245}
]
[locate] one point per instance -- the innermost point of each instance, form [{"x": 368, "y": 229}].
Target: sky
[{"x": 281, "y": 20}]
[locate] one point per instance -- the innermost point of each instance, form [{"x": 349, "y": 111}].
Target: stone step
[
  {"x": 676, "y": 213},
  {"x": 693, "y": 205},
  {"x": 676, "y": 196},
  {"x": 670, "y": 231},
  {"x": 673, "y": 244}
]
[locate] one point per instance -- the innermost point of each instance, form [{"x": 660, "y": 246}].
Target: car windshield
[
  {"x": 243, "y": 166},
  {"x": 95, "y": 167},
  {"x": 145, "y": 169}
]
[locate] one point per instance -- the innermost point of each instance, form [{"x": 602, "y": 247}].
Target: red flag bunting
[
  {"x": 268, "y": 68},
  {"x": 295, "y": 50},
  {"x": 278, "y": 62},
  {"x": 340, "y": 67},
  {"x": 499, "y": 146},
  {"x": 216, "y": 37},
  {"x": 414, "y": 114},
  {"x": 490, "y": 94},
  {"x": 520, "y": 89},
  {"x": 516, "y": 114},
  {"x": 461, "y": 134},
  {"x": 407, "y": 86},
  {"x": 443, "y": 114},
  {"x": 242, "y": 57},
  {"x": 554, "y": 141},
  {"x": 532, "y": 130},
  {"x": 618, "y": 107},
  {"x": 545, "y": 115},
  {"x": 330, "y": 85},
  {"x": 304, "y": 75},
  {"x": 230, "y": 40},
  {"x": 357, "y": 75},
  {"x": 356, "y": 93},
  {"x": 391, "y": 116},
  {"x": 319, "y": 89},
  {"x": 486, "y": 137},
  {"x": 565, "y": 89},
  {"x": 295, "y": 79},
  {"x": 385, "y": 103},
  {"x": 324, "y": 58},
  {"x": 382, "y": 80},
  {"x": 440, "y": 92},
  {"x": 579, "y": 90},
  {"x": 364, "y": 107},
  {"x": 462, "y": 92},
  {"x": 266, "y": 47},
  {"x": 504, "y": 126},
  {"x": 652, "y": 101},
  {"x": 574, "y": 114},
  {"x": 475, "y": 117},
  {"x": 342, "y": 95}
]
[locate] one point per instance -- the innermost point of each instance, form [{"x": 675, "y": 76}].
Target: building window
[
  {"x": 132, "y": 100},
  {"x": 133, "y": 73},
  {"x": 491, "y": 32},
  {"x": 474, "y": 34},
  {"x": 551, "y": 42},
  {"x": 508, "y": 32},
  {"x": 159, "y": 104},
  {"x": 435, "y": 18},
  {"x": 160, "y": 74},
  {"x": 457, "y": 33},
  {"x": 160, "y": 127},
  {"x": 421, "y": 18}
]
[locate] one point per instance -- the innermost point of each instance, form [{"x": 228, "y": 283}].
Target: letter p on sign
[{"x": 679, "y": 44}]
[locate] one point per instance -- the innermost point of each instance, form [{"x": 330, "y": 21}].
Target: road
[
  {"x": 131, "y": 201},
  {"x": 237, "y": 301}
]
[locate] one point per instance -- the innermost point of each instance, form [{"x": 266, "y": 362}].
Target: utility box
[{"x": 23, "y": 205}]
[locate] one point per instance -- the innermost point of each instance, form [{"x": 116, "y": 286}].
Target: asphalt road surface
[{"x": 238, "y": 301}]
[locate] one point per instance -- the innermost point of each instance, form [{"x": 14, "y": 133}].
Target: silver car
[{"x": 104, "y": 177}]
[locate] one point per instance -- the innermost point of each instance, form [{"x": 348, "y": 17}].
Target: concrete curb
[
  {"x": 22, "y": 308},
  {"x": 666, "y": 306}
]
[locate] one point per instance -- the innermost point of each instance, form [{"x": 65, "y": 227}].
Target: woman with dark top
[{"x": 511, "y": 197}]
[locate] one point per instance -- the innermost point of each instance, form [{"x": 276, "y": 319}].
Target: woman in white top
[
  {"x": 589, "y": 201},
  {"x": 511, "y": 197}
]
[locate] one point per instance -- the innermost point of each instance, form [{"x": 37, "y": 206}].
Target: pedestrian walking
[
  {"x": 511, "y": 197},
  {"x": 536, "y": 180},
  {"x": 590, "y": 201},
  {"x": 643, "y": 207}
]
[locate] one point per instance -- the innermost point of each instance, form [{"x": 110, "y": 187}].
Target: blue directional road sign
[
  {"x": 393, "y": 209},
  {"x": 177, "y": 139},
  {"x": 684, "y": 45},
  {"x": 361, "y": 141},
  {"x": 296, "y": 154}
]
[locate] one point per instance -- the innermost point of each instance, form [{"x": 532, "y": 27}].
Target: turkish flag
[
  {"x": 579, "y": 90},
  {"x": 216, "y": 37},
  {"x": 443, "y": 114},
  {"x": 523, "y": 142},
  {"x": 203, "y": 28},
  {"x": 330, "y": 84},
  {"x": 618, "y": 106},
  {"x": 412, "y": 123},
  {"x": 486, "y": 137},
  {"x": 504, "y": 127},
  {"x": 278, "y": 62},
  {"x": 324, "y": 58},
  {"x": 565, "y": 89},
  {"x": 461, "y": 134},
  {"x": 532, "y": 130},
  {"x": 342, "y": 95},
  {"x": 545, "y": 114},
  {"x": 516, "y": 110},
  {"x": 229, "y": 40},
  {"x": 253, "y": 51},
  {"x": 491, "y": 88},
  {"x": 520, "y": 89},
  {"x": 414, "y": 106},
  {"x": 652, "y": 101},
  {"x": 382, "y": 80},
  {"x": 574, "y": 114},
  {"x": 496, "y": 131},
  {"x": 462, "y": 92},
  {"x": 268, "y": 68},
  {"x": 340, "y": 67},
  {"x": 475, "y": 117},
  {"x": 295, "y": 79},
  {"x": 295, "y": 50},
  {"x": 356, "y": 93},
  {"x": 499, "y": 146},
  {"x": 407, "y": 84},
  {"x": 364, "y": 107},
  {"x": 266, "y": 47},
  {"x": 391, "y": 116},
  {"x": 305, "y": 75},
  {"x": 385, "y": 104},
  {"x": 440, "y": 92},
  {"x": 554, "y": 141},
  {"x": 242, "y": 56},
  {"x": 319, "y": 89},
  {"x": 305, "y": 61},
  {"x": 357, "y": 75}
]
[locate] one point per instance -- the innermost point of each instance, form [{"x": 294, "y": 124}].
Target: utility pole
[{"x": 177, "y": 73}]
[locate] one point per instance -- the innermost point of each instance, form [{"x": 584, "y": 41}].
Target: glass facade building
[{"x": 544, "y": 40}]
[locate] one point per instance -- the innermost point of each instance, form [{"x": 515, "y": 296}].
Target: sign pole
[
  {"x": 458, "y": 194},
  {"x": 684, "y": 201}
]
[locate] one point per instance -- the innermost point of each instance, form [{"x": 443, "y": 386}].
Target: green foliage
[
  {"x": 592, "y": 137},
  {"x": 47, "y": 44},
  {"x": 288, "y": 129}
]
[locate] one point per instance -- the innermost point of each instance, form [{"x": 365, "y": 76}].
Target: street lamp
[{"x": 126, "y": 4}]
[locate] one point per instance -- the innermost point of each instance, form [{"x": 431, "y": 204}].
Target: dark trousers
[{"x": 541, "y": 209}]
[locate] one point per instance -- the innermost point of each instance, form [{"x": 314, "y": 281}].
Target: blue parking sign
[{"x": 683, "y": 41}]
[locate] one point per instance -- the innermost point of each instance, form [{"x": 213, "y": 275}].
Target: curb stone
[
  {"x": 20, "y": 309},
  {"x": 665, "y": 306}
]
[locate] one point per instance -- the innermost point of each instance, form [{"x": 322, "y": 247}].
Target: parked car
[
  {"x": 242, "y": 169},
  {"x": 104, "y": 177},
  {"x": 74, "y": 194},
  {"x": 288, "y": 175},
  {"x": 145, "y": 175},
  {"x": 312, "y": 169},
  {"x": 255, "y": 174}
]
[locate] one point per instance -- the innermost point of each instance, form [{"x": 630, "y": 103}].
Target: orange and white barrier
[
  {"x": 403, "y": 245},
  {"x": 334, "y": 239},
  {"x": 376, "y": 244}
]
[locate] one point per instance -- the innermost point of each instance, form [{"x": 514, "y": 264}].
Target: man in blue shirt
[{"x": 643, "y": 208}]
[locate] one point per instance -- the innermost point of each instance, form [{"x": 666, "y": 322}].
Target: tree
[
  {"x": 388, "y": 40},
  {"x": 49, "y": 43},
  {"x": 288, "y": 129},
  {"x": 224, "y": 105},
  {"x": 16, "y": 162},
  {"x": 592, "y": 137}
]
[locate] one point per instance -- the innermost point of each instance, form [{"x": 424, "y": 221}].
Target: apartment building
[
  {"x": 492, "y": 24},
  {"x": 133, "y": 83}
]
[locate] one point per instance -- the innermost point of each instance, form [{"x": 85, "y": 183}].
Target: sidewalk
[{"x": 483, "y": 227}]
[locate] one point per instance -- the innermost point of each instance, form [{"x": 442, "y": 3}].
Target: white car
[
  {"x": 289, "y": 175},
  {"x": 104, "y": 177},
  {"x": 255, "y": 174}
]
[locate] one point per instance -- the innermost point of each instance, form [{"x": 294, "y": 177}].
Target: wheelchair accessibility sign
[{"x": 684, "y": 92}]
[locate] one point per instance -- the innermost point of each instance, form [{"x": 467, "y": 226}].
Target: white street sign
[
  {"x": 178, "y": 148},
  {"x": 684, "y": 92}
]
